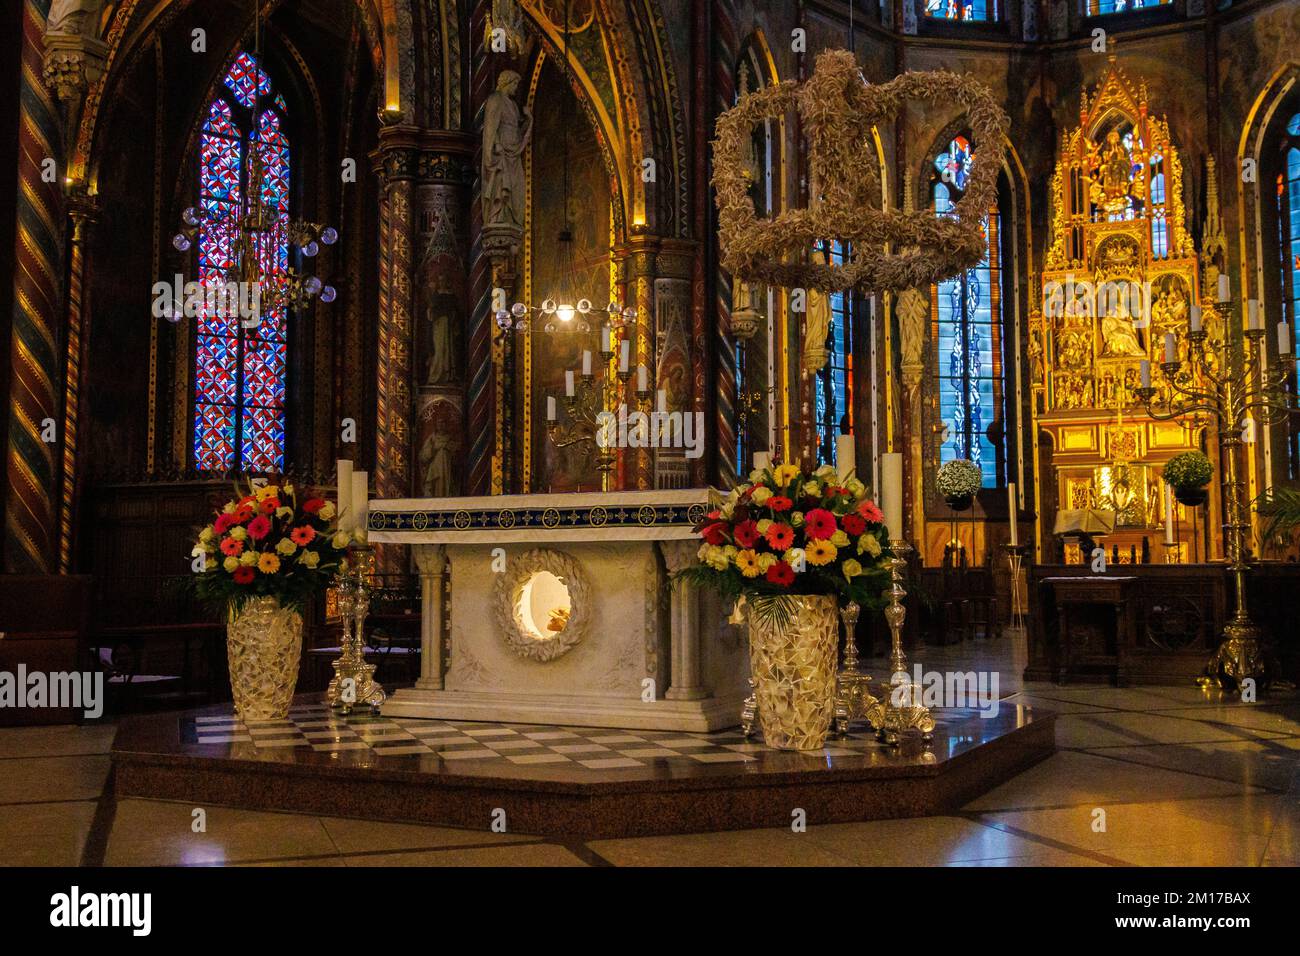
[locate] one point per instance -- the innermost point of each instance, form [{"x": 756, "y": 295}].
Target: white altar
[{"x": 560, "y": 609}]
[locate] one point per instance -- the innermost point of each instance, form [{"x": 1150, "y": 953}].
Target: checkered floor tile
[{"x": 318, "y": 728}]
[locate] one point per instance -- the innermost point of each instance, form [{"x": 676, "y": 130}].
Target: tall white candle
[
  {"x": 550, "y": 408},
  {"x": 1171, "y": 348},
  {"x": 1194, "y": 319},
  {"x": 360, "y": 502},
  {"x": 586, "y": 363},
  {"x": 605, "y": 344},
  {"x": 761, "y": 460},
  {"x": 1225, "y": 287},
  {"x": 1283, "y": 339},
  {"x": 891, "y": 493},
  {"x": 1011, "y": 512},
  {"x": 568, "y": 383},
  {"x": 846, "y": 453},
  {"x": 642, "y": 379},
  {"x": 1169, "y": 515},
  {"x": 1144, "y": 369},
  {"x": 344, "y": 499},
  {"x": 1252, "y": 314},
  {"x": 624, "y": 355}
]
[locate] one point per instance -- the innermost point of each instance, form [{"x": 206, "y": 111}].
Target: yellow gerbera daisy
[
  {"x": 268, "y": 563},
  {"x": 785, "y": 474},
  {"x": 820, "y": 552},
  {"x": 747, "y": 562}
]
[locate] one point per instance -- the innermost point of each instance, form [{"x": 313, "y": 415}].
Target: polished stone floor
[{"x": 1147, "y": 776}]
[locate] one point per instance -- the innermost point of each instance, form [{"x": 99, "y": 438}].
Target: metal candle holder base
[
  {"x": 1015, "y": 561},
  {"x": 901, "y": 709},
  {"x": 354, "y": 681},
  {"x": 853, "y": 697}
]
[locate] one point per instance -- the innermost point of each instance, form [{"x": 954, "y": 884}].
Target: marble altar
[{"x": 560, "y": 609}]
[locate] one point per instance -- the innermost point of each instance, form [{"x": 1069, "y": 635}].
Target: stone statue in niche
[
  {"x": 439, "y": 443},
  {"x": 817, "y": 324},
  {"x": 74, "y": 17},
  {"x": 506, "y": 130},
  {"x": 441, "y": 367},
  {"x": 1118, "y": 335}
]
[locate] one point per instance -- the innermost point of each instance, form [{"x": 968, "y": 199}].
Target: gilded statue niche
[{"x": 1121, "y": 272}]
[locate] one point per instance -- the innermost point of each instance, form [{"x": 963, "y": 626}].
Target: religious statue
[
  {"x": 506, "y": 130},
  {"x": 1113, "y": 186},
  {"x": 817, "y": 324},
  {"x": 440, "y": 367},
  {"x": 745, "y": 316},
  {"x": 1118, "y": 335},
  {"x": 74, "y": 17}
]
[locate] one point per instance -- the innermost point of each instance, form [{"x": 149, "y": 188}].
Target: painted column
[
  {"x": 83, "y": 210},
  {"x": 674, "y": 363},
  {"x": 31, "y": 468},
  {"x": 431, "y": 560},
  {"x": 725, "y": 51}
]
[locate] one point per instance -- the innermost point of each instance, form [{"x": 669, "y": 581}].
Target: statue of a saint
[
  {"x": 505, "y": 137},
  {"x": 913, "y": 311},
  {"x": 1118, "y": 335},
  {"x": 74, "y": 17},
  {"x": 817, "y": 324}
]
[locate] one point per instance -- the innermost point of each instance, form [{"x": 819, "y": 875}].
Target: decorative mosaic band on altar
[{"x": 674, "y": 517}]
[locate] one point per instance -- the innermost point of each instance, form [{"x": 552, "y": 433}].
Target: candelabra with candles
[
  {"x": 354, "y": 684},
  {"x": 1229, "y": 380}
]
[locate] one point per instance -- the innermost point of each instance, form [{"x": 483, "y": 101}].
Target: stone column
[
  {"x": 685, "y": 681},
  {"x": 431, "y": 560}
]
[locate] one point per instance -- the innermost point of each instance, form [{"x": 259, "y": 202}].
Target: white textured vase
[
  {"x": 793, "y": 666},
  {"x": 263, "y": 645}
]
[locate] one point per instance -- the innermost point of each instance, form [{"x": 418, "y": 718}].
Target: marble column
[
  {"x": 431, "y": 561},
  {"x": 685, "y": 680}
]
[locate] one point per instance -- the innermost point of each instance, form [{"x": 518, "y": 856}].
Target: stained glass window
[
  {"x": 833, "y": 387},
  {"x": 966, "y": 313},
  {"x": 240, "y": 361},
  {"x": 1100, "y": 7},
  {"x": 962, "y": 9},
  {"x": 1288, "y": 221}
]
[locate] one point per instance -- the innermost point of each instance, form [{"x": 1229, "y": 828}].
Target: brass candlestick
[
  {"x": 1227, "y": 379},
  {"x": 1015, "y": 561},
  {"x": 901, "y": 710},
  {"x": 353, "y": 683},
  {"x": 585, "y": 426},
  {"x": 853, "y": 697}
]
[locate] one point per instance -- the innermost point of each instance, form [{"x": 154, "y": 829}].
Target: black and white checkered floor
[{"x": 317, "y": 727}]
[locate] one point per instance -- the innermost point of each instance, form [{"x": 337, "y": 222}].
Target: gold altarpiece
[{"x": 1121, "y": 271}]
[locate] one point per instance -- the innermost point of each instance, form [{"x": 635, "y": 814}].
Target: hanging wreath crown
[{"x": 838, "y": 109}]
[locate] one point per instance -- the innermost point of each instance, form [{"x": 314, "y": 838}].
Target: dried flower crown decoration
[{"x": 838, "y": 109}]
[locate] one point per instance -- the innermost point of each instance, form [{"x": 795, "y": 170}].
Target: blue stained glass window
[
  {"x": 1102, "y": 7},
  {"x": 967, "y": 327},
  {"x": 962, "y": 9},
  {"x": 833, "y": 388},
  {"x": 240, "y": 372}
]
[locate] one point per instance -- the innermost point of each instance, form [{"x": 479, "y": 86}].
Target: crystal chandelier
[{"x": 255, "y": 226}]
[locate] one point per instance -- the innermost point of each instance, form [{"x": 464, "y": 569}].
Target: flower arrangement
[
  {"x": 265, "y": 544},
  {"x": 788, "y": 532},
  {"x": 1187, "y": 470},
  {"x": 959, "y": 478}
]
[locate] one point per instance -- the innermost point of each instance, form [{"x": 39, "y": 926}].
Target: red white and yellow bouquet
[
  {"x": 266, "y": 544},
  {"x": 786, "y": 531}
]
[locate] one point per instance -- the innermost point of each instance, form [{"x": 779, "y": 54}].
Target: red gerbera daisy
[
  {"x": 259, "y": 528},
  {"x": 231, "y": 547},
  {"x": 818, "y": 523},
  {"x": 869, "y": 511},
  {"x": 269, "y": 505},
  {"x": 780, "y": 573},
  {"x": 243, "y": 514},
  {"x": 302, "y": 536},
  {"x": 780, "y": 503},
  {"x": 746, "y": 534},
  {"x": 243, "y": 574},
  {"x": 313, "y": 505},
  {"x": 715, "y": 533},
  {"x": 223, "y": 523},
  {"x": 780, "y": 536},
  {"x": 853, "y": 524}
]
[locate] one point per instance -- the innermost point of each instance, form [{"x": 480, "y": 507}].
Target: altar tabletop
[{"x": 664, "y": 515}]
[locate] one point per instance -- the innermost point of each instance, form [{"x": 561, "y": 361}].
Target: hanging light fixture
[
  {"x": 565, "y": 310},
  {"x": 255, "y": 224}
]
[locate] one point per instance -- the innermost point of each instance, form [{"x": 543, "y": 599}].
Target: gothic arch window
[
  {"x": 1288, "y": 237},
  {"x": 240, "y": 365},
  {"x": 966, "y": 315},
  {"x": 833, "y": 384}
]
